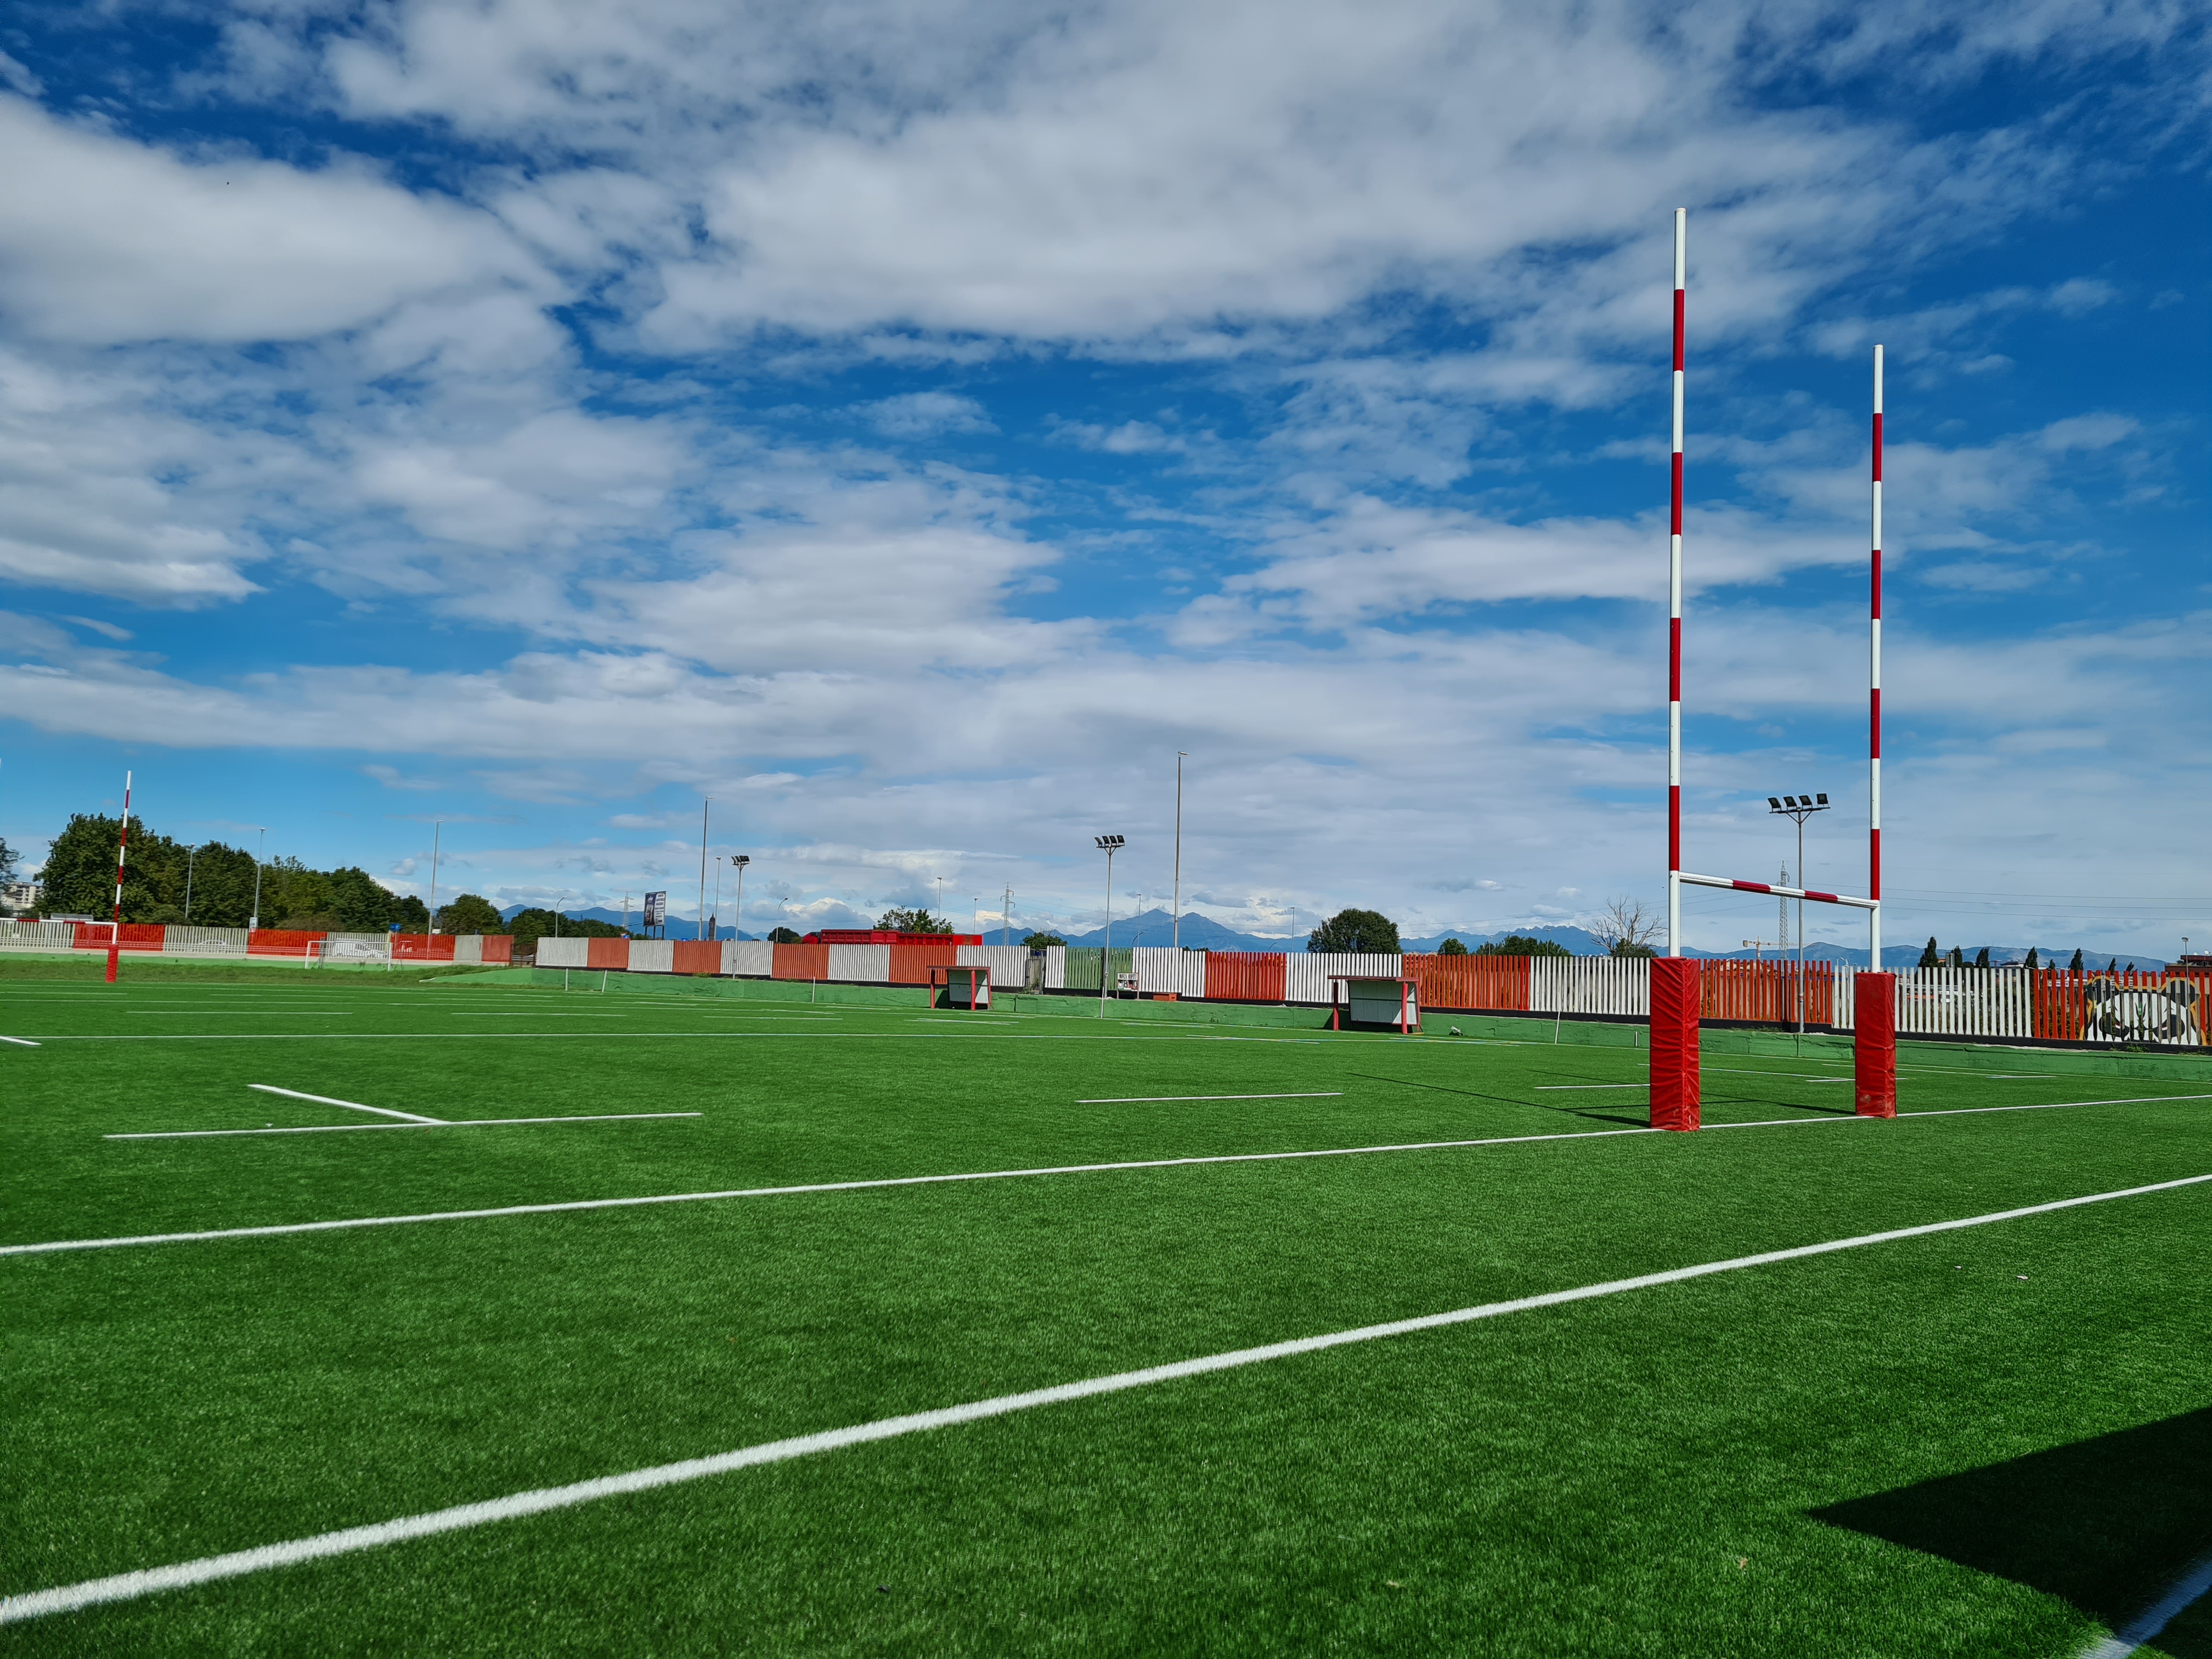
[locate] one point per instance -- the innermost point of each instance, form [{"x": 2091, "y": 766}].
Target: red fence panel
[
  {"x": 607, "y": 954},
  {"x": 1770, "y": 992},
  {"x": 1471, "y": 982},
  {"x": 910, "y": 963},
  {"x": 499, "y": 947},
  {"x": 1245, "y": 976},
  {"x": 133, "y": 936},
  {"x": 280, "y": 941},
  {"x": 421, "y": 947},
  {"x": 800, "y": 962},
  {"x": 693, "y": 956}
]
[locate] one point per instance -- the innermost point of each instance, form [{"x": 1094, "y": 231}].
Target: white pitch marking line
[
  {"x": 360, "y": 1128},
  {"x": 2145, "y": 1627},
  {"x": 1543, "y": 1086},
  {"x": 20, "y": 1042},
  {"x": 1138, "y": 1100},
  {"x": 350, "y": 1105},
  {"x": 988, "y": 1175},
  {"x": 129, "y": 1586}
]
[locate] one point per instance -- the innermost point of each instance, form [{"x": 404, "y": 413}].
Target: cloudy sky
[{"x": 910, "y": 424}]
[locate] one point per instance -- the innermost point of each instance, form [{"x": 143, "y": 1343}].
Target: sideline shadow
[{"x": 2107, "y": 1523}]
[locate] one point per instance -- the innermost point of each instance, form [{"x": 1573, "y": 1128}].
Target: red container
[{"x": 608, "y": 954}]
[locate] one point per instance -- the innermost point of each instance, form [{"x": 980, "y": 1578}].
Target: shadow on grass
[{"x": 2107, "y": 1523}]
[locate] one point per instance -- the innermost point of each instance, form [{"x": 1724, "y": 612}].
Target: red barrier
[
  {"x": 1674, "y": 996},
  {"x": 499, "y": 947},
  {"x": 1472, "y": 983},
  {"x": 609, "y": 955},
  {"x": 134, "y": 936},
  {"x": 1245, "y": 976},
  {"x": 695, "y": 956},
  {"x": 281, "y": 941},
  {"x": 421, "y": 947},
  {"x": 800, "y": 962},
  {"x": 1873, "y": 1045},
  {"x": 910, "y": 963}
]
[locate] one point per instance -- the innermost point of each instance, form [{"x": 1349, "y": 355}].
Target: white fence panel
[
  {"x": 1165, "y": 969},
  {"x": 38, "y": 935},
  {"x": 571, "y": 952},
  {"x": 750, "y": 958},
  {"x": 1055, "y": 967},
  {"x": 356, "y": 947},
  {"x": 868, "y": 965},
  {"x": 647, "y": 956},
  {"x": 468, "y": 947},
  {"x": 1963, "y": 1002},
  {"x": 183, "y": 941},
  {"x": 1306, "y": 973},
  {"x": 1590, "y": 985},
  {"x": 1009, "y": 964}
]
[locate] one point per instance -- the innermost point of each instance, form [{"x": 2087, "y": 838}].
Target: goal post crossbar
[{"x": 1768, "y": 887}]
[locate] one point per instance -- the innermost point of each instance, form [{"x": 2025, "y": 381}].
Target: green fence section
[{"x": 1083, "y": 966}]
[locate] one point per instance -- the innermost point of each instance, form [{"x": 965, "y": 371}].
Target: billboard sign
[{"x": 656, "y": 909}]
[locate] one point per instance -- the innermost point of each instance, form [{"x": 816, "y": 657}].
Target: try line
[
  {"x": 1138, "y": 1100},
  {"x": 130, "y": 1586},
  {"x": 285, "y": 1229},
  {"x": 364, "y": 1128}
]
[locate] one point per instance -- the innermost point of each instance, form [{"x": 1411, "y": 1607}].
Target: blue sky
[{"x": 911, "y": 425}]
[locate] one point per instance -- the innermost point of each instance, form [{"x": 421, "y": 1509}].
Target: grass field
[{"x": 1993, "y": 1440}]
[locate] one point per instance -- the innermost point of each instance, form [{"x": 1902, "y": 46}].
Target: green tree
[
  {"x": 1958, "y": 956},
  {"x": 1039, "y": 941},
  {"x": 9, "y": 857},
  {"x": 1982, "y": 958},
  {"x": 2033, "y": 963},
  {"x": 783, "y": 936},
  {"x": 1930, "y": 957},
  {"x": 2074, "y": 966},
  {"x": 472, "y": 913},
  {"x": 1629, "y": 947},
  {"x": 531, "y": 925},
  {"x": 1366, "y": 931},
  {"x": 911, "y": 921},
  {"x": 1520, "y": 945},
  {"x": 1451, "y": 947}
]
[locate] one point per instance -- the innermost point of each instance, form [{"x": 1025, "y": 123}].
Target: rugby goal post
[{"x": 1675, "y": 981}]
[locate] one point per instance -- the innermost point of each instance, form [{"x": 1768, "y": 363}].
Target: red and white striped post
[
  {"x": 1874, "y": 1020},
  {"x": 122, "y": 851},
  {"x": 1675, "y": 988},
  {"x": 1674, "y": 612}
]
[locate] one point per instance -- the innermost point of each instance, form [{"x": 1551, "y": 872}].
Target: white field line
[
  {"x": 287, "y": 1227},
  {"x": 20, "y": 1042},
  {"x": 1547, "y": 1087},
  {"x": 2196, "y": 1579},
  {"x": 350, "y": 1105},
  {"x": 129, "y": 1586},
  {"x": 364, "y": 1128},
  {"x": 1138, "y": 1100}
]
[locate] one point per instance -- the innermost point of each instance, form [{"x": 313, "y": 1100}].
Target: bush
[
  {"x": 1040, "y": 941},
  {"x": 1520, "y": 945},
  {"x": 783, "y": 936}
]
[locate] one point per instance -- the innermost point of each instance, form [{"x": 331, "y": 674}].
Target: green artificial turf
[{"x": 1993, "y": 1441}]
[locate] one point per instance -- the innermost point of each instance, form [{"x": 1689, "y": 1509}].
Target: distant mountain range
[{"x": 1155, "y": 927}]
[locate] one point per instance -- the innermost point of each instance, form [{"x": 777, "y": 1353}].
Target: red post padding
[
  {"x": 1674, "y": 1042},
  {"x": 1873, "y": 1049}
]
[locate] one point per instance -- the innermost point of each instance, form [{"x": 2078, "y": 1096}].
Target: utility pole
[
  {"x": 1006, "y": 916},
  {"x": 699, "y": 931},
  {"x": 1181, "y": 754},
  {"x": 438, "y": 830}
]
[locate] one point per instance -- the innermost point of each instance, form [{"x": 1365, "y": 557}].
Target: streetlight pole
[
  {"x": 260, "y": 847},
  {"x": 1006, "y": 916},
  {"x": 1109, "y": 845},
  {"x": 437, "y": 830},
  {"x": 1181, "y": 754},
  {"x": 940, "y": 896},
  {"x": 1799, "y": 807},
  {"x": 718, "y": 895},
  {"x": 190, "y": 855},
  {"x": 738, "y": 862},
  {"x": 556, "y": 913}
]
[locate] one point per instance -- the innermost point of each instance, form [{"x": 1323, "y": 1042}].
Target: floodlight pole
[
  {"x": 1006, "y": 916},
  {"x": 737, "y": 925},
  {"x": 1674, "y": 612},
  {"x": 191, "y": 855},
  {"x": 260, "y": 847},
  {"x": 1873, "y": 699},
  {"x": 1181, "y": 754},
  {"x": 1109, "y": 845},
  {"x": 700, "y": 931},
  {"x": 1799, "y": 807},
  {"x": 718, "y": 895},
  {"x": 437, "y": 830}
]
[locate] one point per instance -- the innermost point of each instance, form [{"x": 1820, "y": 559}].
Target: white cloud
[
  {"x": 926, "y": 415},
  {"x": 103, "y": 239}
]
